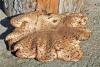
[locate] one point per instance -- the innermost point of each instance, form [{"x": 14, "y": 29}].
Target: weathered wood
[
  {"x": 71, "y": 6},
  {"x": 13, "y": 7},
  {"x": 2, "y": 15},
  {"x": 50, "y": 6},
  {"x": 54, "y": 6}
]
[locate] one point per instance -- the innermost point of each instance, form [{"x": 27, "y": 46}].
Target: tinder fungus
[{"x": 46, "y": 37}]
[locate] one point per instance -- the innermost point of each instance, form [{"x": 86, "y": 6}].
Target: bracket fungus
[{"x": 46, "y": 37}]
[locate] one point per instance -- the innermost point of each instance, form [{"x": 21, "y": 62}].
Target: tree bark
[
  {"x": 71, "y": 6},
  {"x": 13, "y": 7}
]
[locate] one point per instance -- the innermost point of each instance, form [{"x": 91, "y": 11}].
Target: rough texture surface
[
  {"x": 48, "y": 37},
  {"x": 91, "y": 48},
  {"x": 14, "y": 7},
  {"x": 2, "y": 15}
]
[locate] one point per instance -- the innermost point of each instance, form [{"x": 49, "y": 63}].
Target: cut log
[
  {"x": 50, "y": 6},
  {"x": 13, "y": 7}
]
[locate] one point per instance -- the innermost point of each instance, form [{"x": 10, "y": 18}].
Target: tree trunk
[
  {"x": 13, "y": 7},
  {"x": 71, "y": 6},
  {"x": 50, "y": 6}
]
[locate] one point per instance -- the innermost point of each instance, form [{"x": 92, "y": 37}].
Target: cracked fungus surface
[
  {"x": 91, "y": 48},
  {"x": 48, "y": 37}
]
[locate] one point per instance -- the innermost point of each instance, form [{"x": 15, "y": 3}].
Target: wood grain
[{"x": 50, "y": 6}]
